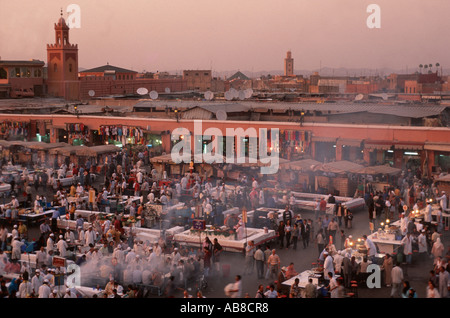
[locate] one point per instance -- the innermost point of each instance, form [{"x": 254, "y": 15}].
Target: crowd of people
[{"x": 119, "y": 264}]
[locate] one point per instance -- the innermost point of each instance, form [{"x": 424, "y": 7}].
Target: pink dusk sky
[{"x": 163, "y": 35}]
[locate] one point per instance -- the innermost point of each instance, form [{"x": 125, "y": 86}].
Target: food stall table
[{"x": 303, "y": 280}]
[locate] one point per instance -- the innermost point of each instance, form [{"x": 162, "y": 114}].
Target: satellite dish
[
  {"x": 221, "y": 115},
  {"x": 241, "y": 95},
  {"x": 209, "y": 95},
  {"x": 153, "y": 94},
  {"x": 228, "y": 95},
  {"x": 384, "y": 96},
  {"x": 142, "y": 91},
  {"x": 91, "y": 93},
  {"x": 248, "y": 93},
  {"x": 167, "y": 90},
  {"x": 359, "y": 97},
  {"x": 234, "y": 93}
]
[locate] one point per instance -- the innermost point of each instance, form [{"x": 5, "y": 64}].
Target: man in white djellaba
[
  {"x": 442, "y": 200},
  {"x": 45, "y": 290},
  {"x": 328, "y": 265},
  {"x": 62, "y": 247},
  {"x": 16, "y": 252},
  {"x": 90, "y": 236}
]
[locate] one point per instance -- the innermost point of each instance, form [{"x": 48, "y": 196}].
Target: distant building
[
  {"x": 62, "y": 65},
  {"x": 199, "y": 80},
  {"x": 109, "y": 72},
  {"x": 21, "y": 78},
  {"x": 288, "y": 65}
]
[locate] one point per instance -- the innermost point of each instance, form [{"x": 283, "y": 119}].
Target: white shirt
[
  {"x": 119, "y": 254},
  {"x": 44, "y": 291},
  {"x": 139, "y": 177},
  {"x": 407, "y": 245},
  {"x": 237, "y": 286},
  {"x": 333, "y": 284},
  {"x": 371, "y": 248},
  {"x": 338, "y": 262},
  {"x": 397, "y": 275},
  {"x": 36, "y": 283},
  {"x": 422, "y": 240},
  {"x": 89, "y": 237},
  {"x": 428, "y": 213},
  {"x": 130, "y": 256},
  {"x": 62, "y": 247},
  {"x": 443, "y": 201},
  {"x": 25, "y": 289},
  {"x": 328, "y": 267}
]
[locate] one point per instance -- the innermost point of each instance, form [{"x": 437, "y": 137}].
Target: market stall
[
  {"x": 165, "y": 163},
  {"x": 380, "y": 177},
  {"x": 336, "y": 177},
  {"x": 300, "y": 173},
  {"x": 226, "y": 237},
  {"x": 307, "y": 201}
]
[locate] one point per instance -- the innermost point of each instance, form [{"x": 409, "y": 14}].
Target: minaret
[
  {"x": 288, "y": 65},
  {"x": 62, "y": 64}
]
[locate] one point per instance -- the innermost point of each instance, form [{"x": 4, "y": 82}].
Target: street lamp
[
  {"x": 75, "y": 108},
  {"x": 302, "y": 117}
]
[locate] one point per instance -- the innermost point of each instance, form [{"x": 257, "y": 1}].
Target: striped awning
[
  {"x": 381, "y": 145},
  {"x": 348, "y": 142},
  {"x": 409, "y": 146}
]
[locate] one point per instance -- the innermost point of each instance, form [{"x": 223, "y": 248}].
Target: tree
[{"x": 420, "y": 66}]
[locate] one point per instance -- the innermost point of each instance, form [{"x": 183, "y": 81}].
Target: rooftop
[
  {"x": 22, "y": 62},
  {"x": 107, "y": 67}
]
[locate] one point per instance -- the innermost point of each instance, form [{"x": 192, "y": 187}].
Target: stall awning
[
  {"x": 301, "y": 165},
  {"x": 98, "y": 150},
  {"x": 381, "y": 145},
  {"x": 163, "y": 159},
  {"x": 44, "y": 146},
  {"x": 444, "y": 147},
  {"x": 323, "y": 139},
  {"x": 387, "y": 170},
  {"x": 445, "y": 178},
  {"x": 348, "y": 142},
  {"x": 342, "y": 166},
  {"x": 409, "y": 146}
]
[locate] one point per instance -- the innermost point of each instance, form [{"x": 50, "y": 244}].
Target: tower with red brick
[{"x": 62, "y": 65}]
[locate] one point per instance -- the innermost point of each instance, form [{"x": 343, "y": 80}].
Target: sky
[{"x": 253, "y": 35}]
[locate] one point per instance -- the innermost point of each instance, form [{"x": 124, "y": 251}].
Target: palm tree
[
  {"x": 420, "y": 66},
  {"x": 437, "y": 67},
  {"x": 425, "y": 67},
  {"x": 430, "y": 66}
]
